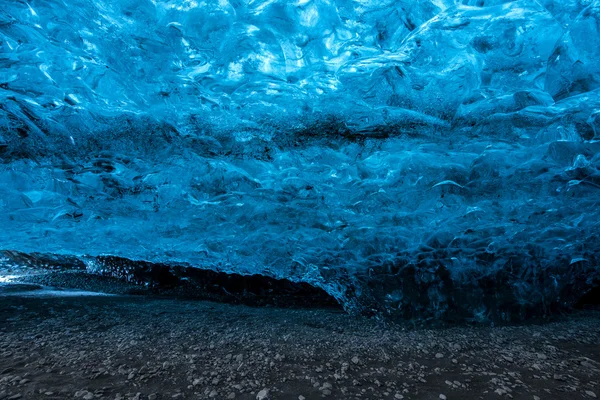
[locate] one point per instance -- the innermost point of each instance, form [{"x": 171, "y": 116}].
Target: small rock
[
  {"x": 213, "y": 393},
  {"x": 398, "y": 396},
  {"x": 301, "y": 397},
  {"x": 263, "y": 395},
  {"x": 536, "y": 397},
  {"x": 559, "y": 377},
  {"x": 355, "y": 360},
  {"x": 588, "y": 365},
  {"x": 442, "y": 397},
  {"x": 231, "y": 396},
  {"x": 590, "y": 393},
  {"x": 439, "y": 355},
  {"x": 152, "y": 396}
]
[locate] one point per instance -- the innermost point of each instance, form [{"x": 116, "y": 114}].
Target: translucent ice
[
  {"x": 430, "y": 158},
  {"x": 574, "y": 66}
]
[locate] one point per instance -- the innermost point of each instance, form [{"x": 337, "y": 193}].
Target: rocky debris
[
  {"x": 263, "y": 395},
  {"x": 130, "y": 348}
]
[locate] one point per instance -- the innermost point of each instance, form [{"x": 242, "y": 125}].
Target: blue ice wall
[{"x": 413, "y": 158}]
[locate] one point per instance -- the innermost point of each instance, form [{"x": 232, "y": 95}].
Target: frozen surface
[{"x": 425, "y": 159}]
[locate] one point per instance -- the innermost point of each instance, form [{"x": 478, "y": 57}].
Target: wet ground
[{"x": 65, "y": 344}]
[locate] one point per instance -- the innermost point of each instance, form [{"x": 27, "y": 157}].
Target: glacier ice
[
  {"x": 574, "y": 66},
  {"x": 430, "y": 159}
]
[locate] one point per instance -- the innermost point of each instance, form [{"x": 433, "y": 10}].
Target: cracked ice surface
[{"x": 413, "y": 158}]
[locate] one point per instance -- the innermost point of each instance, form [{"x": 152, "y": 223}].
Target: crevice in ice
[{"x": 170, "y": 280}]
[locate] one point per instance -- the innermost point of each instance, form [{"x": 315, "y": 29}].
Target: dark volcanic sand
[{"x": 137, "y": 347}]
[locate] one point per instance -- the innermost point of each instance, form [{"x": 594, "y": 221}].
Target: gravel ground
[{"x": 139, "y": 347}]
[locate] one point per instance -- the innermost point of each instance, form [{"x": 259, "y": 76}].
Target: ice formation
[{"x": 427, "y": 159}]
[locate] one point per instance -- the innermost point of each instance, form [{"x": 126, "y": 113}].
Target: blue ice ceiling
[{"x": 413, "y": 158}]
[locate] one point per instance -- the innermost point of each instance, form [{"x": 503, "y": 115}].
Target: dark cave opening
[
  {"x": 109, "y": 273},
  {"x": 591, "y": 299},
  {"x": 253, "y": 290}
]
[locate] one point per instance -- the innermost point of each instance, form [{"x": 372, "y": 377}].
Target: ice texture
[{"x": 420, "y": 159}]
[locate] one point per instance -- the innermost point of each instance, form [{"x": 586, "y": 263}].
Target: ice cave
[{"x": 433, "y": 160}]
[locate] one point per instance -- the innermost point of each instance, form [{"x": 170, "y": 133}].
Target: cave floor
[{"x": 139, "y": 347}]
